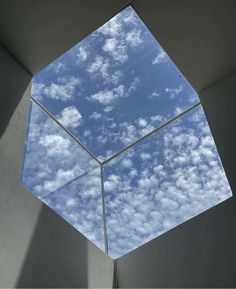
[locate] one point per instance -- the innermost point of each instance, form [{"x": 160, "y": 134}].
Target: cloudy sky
[
  {"x": 59, "y": 172},
  {"x": 109, "y": 90},
  {"x": 161, "y": 182},
  {"x": 114, "y": 86}
]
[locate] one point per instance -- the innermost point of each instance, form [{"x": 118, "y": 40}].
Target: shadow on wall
[
  {"x": 37, "y": 247},
  {"x": 57, "y": 255},
  {"x": 197, "y": 254},
  {"x": 14, "y": 81}
]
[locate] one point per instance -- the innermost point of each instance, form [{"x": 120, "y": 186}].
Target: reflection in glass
[
  {"x": 109, "y": 90},
  {"x": 114, "y": 86},
  {"x": 64, "y": 176},
  {"x": 161, "y": 182}
]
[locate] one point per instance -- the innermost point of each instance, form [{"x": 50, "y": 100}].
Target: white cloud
[
  {"x": 117, "y": 39},
  {"x": 63, "y": 92},
  {"x": 112, "y": 182},
  {"x": 70, "y": 117},
  {"x": 37, "y": 88},
  {"x": 108, "y": 108},
  {"x": 87, "y": 133},
  {"x": 156, "y": 118},
  {"x": 56, "y": 67},
  {"x": 142, "y": 122},
  {"x": 96, "y": 65},
  {"x": 145, "y": 156},
  {"x": 178, "y": 110},
  {"x": 114, "y": 78},
  {"x": 174, "y": 91},
  {"x": 127, "y": 132},
  {"x": 95, "y": 115},
  {"x": 134, "y": 85},
  {"x": 168, "y": 204},
  {"x": 108, "y": 97},
  {"x": 161, "y": 57},
  {"x": 71, "y": 203},
  {"x": 110, "y": 45},
  {"x": 82, "y": 54},
  {"x": 112, "y": 28},
  {"x": 193, "y": 98},
  {"x": 127, "y": 163},
  {"x": 62, "y": 177},
  {"x": 100, "y": 65},
  {"x": 116, "y": 48},
  {"x": 56, "y": 145},
  {"x": 133, "y": 38},
  {"x": 154, "y": 94},
  {"x": 130, "y": 17},
  {"x": 131, "y": 131}
]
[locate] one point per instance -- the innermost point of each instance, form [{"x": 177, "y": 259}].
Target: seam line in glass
[
  {"x": 104, "y": 212},
  {"x": 63, "y": 186},
  {"x": 41, "y": 107},
  {"x": 150, "y": 133},
  {"x": 65, "y": 129}
]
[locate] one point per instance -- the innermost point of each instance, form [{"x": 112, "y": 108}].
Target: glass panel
[
  {"x": 114, "y": 86},
  {"x": 64, "y": 176},
  {"x": 161, "y": 182}
]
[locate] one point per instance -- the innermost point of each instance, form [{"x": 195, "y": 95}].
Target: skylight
[{"x": 118, "y": 143}]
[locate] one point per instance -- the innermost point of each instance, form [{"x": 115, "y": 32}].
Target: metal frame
[
  {"x": 102, "y": 163},
  {"x": 150, "y": 133},
  {"x": 65, "y": 129},
  {"x": 104, "y": 212}
]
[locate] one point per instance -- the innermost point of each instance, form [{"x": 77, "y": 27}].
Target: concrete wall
[
  {"x": 37, "y": 32},
  {"x": 202, "y": 251},
  {"x": 199, "y": 36},
  {"x": 14, "y": 81},
  {"x": 37, "y": 247}
]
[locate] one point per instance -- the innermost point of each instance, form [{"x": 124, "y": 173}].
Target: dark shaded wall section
[
  {"x": 202, "y": 251},
  {"x": 37, "y": 247},
  {"x": 14, "y": 81},
  {"x": 199, "y": 36},
  {"x": 37, "y": 32}
]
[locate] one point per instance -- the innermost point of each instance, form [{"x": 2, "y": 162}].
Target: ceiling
[
  {"x": 36, "y": 32},
  {"x": 200, "y": 36}
]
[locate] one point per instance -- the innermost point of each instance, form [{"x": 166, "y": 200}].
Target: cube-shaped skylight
[{"x": 118, "y": 144}]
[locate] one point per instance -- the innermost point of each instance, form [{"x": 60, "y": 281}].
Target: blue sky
[
  {"x": 109, "y": 90},
  {"x": 60, "y": 173},
  {"x": 118, "y": 84},
  {"x": 161, "y": 182}
]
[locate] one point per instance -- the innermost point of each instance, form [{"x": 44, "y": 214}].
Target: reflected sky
[
  {"x": 161, "y": 182},
  {"x": 114, "y": 86},
  {"x": 109, "y": 90},
  {"x": 65, "y": 177}
]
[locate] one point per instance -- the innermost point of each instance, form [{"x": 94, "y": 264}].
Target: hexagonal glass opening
[{"x": 118, "y": 144}]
